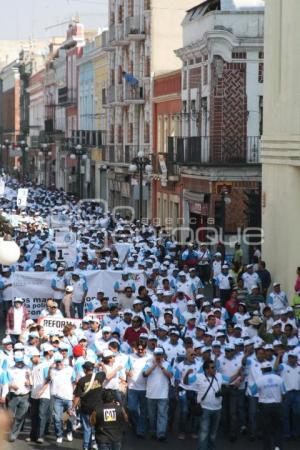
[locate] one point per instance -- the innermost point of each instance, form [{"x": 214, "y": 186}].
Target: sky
[{"x": 25, "y": 19}]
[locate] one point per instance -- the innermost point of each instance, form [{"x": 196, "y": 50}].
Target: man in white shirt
[
  {"x": 61, "y": 385},
  {"x": 250, "y": 278},
  {"x": 290, "y": 373},
  {"x": 158, "y": 373},
  {"x": 136, "y": 402},
  {"x": 208, "y": 387},
  {"x": 80, "y": 290},
  {"x": 270, "y": 388},
  {"x": 58, "y": 284},
  {"x": 19, "y": 389},
  {"x": 277, "y": 300},
  {"x": 39, "y": 399}
]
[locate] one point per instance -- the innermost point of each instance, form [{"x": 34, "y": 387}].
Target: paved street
[{"x": 132, "y": 444}]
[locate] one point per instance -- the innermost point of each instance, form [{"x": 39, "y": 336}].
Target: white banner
[
  {"x": 2, "y": 187},
  {"x": 22, "y": 197},
  {"x": 52, "y": 324},
  {"x": 35, "y": 287}
]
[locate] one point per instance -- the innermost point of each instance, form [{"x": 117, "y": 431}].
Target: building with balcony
[
  {"x": 140, "y": 42},
  {"x": 281, "y": 142},
  {"x": 166, "y": 189},
  {"x": 222, "y": 114},
  {"x": 92, "y": 123}
]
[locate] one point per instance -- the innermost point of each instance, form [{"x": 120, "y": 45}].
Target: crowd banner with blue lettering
[{"x": 35, "y": 287}]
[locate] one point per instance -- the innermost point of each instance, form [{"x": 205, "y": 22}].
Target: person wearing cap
[
  {"x": 195, "y": 283},
  {"x": 101, "y": 338},
  {"x": 16, "y": 318},
  {"x": 18, "y": 397},
  {"x": 58, "y": 285},
  {"x": 66, "y": 302},
  {"x": 88, "y": 394},
  {"x": 120, "y": 285},
  {"x": 230, "y": 367},
  {"x": 277, "y": 299},
  {"x": 208, "y": 388},
  {"x": 113, "y": 319},
  {"x": 125, "y": 322},
  {"x": 250, "y": 278},
  {"x": 224, "y": 283},
  {"x": 252, "y": 365},
  {"x": 290, "y": 373},
  {"x": 136, "y": 394},
  {"x": 270, "y": 389},
  {"x": 61, "y": 379},
  {"x": 276, "y": 334},
  {"x": 39, "y": 398},
  {"x": 115, "y": 373},
  {"x": 186, "y": 393},
  {"x": 216, "y": 269},
  {"x": 158, "y": 374},
  {"x": 80, "y": 290},
  {"x": 6, "y": 289},
  {"x": 134, "y": 331},
  {"x": 255, "y": 301},
  {"x": 183, "y": 284}
]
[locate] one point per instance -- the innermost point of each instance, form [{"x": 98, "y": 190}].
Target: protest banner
[
  {"x": 2, "y": 187},
  {"x": 55, "y": 324},
  {"x": 35, "y": 287},
  {"x": 22, "y": 197}
]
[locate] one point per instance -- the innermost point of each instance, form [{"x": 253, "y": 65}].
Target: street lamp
[
  {"x": 78, "y": 153},
  {"x": 24, "y": 149},
  {"x": 225, "y": 200},
  {"x": 7, "y": 145},
  {"x": 141, "y": 164},
  {"x": 44, "y": 151}
]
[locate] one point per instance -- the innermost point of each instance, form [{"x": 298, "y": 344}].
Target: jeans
[
  {"x": 229, "y": 410},
  {"x": 252, "y": 415},
  {"x": 187, "y": 422},
  {"x": 137, "y": 406},
  {"x": 209, "y": 424},
  {"x": 39, "y": 415},
  {"x": 87, "y": 430},
  {"x": 271, "y": 417},
  {"x": 241, "y": 407},
  {"x": 158, "y": 416},
  {"x": 79, "y": 308},
  {"x": 60, "y": 406},
  {"x": 14, "y": 338},
  {"x": 172, "y": 406},
  {"x": 112, "y": 446},
  {"x": 18, "y": 406},
  {"x": 291, "y": 414}
]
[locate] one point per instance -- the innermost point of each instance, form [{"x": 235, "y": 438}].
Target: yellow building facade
[{"x": 281, "y": 142}]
